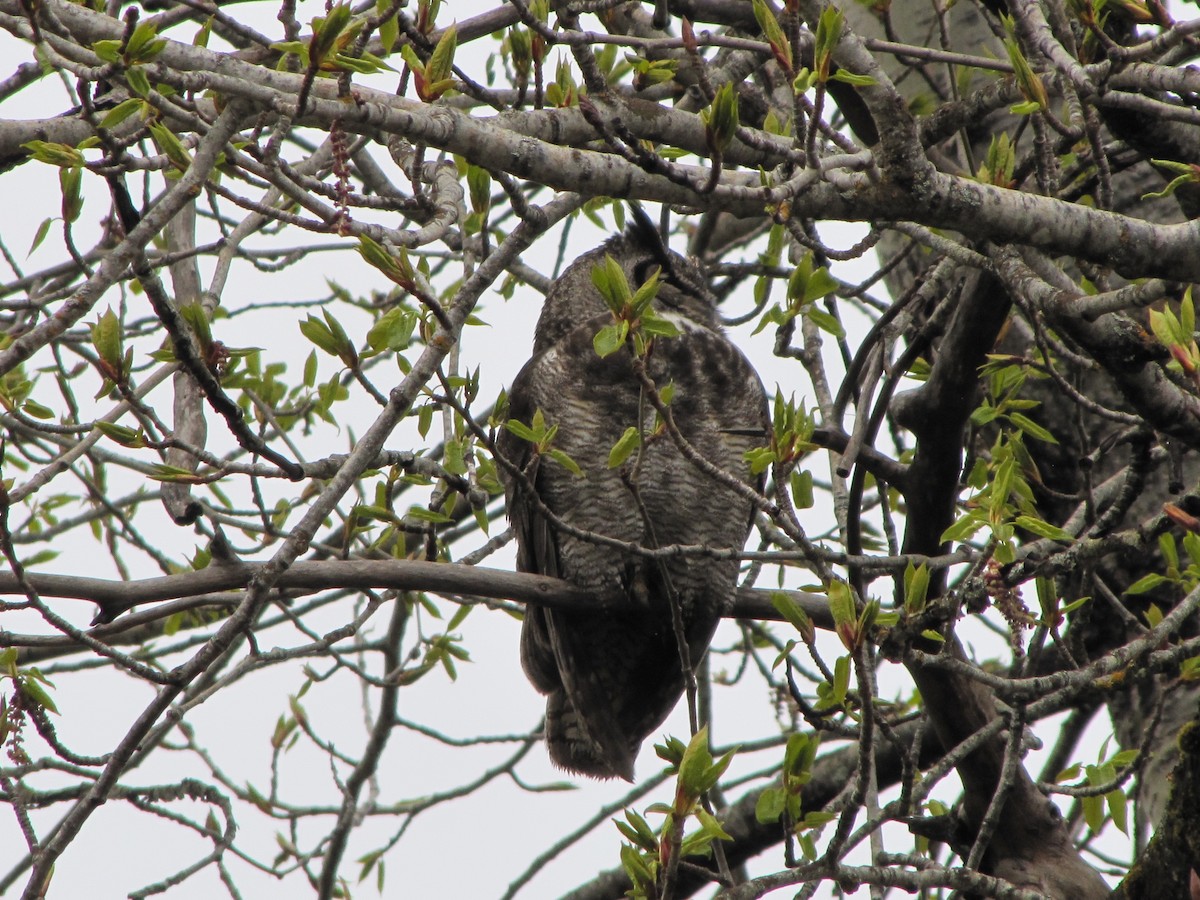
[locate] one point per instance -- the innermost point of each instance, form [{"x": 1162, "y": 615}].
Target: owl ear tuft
[{"x": 642, "y": 232}]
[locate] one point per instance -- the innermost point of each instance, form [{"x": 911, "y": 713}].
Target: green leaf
[
  {"x": 409, "y": 54},
  {"x": 54, "y": 154},
  {"x": 851, "y": 78},
  {"x": 521, "y": 430},
  {"x": 610, "y": 339},
  {"x": 829, "y": 33},
  {"x": 170, "y": 145},
  {"x": 346, "y": 350},
  {"x": 1118, "y": 809},
  {"x": 624, "y": 447},
  {"x": 792, "y": 612},
  {"x": 143, "y": 45},
  {"x": 389, "y": 28},
  {"x": 841, "y": 603},
  {"x": 137, "y": 81},
  {"x": 638, "y": 831},
  {"x": 441, "y": 61},
  {"x": 1093, "y": 812},
  {"x": 121, "y": 112},
  {"x": 205, "y": 32},
  {"x": 961, "y": 530},
  {"x": 396, "y": 268},
  {"x": 826, "y": 322},
  {"x": 36, "y": 410},
  {"x": 770, "y": 805},
  {"x": 760, "y": 459},
  {"x": 646, "y": 292},
  {"x": 479, "y": 185},
  {"x": 326, "y": 30},
  {"x": 30, "y": 685},
  {"x": 1031, "y": 428},
  {"x": 108, "y": 50},
  {"x": 609, "y": 279},
  {"x": 174, "y": 474},
  {"x": 318, "y": 333},
  {"x": 421, "y": 514},
  {"x": 1043, "y": 529},
  {"x": 695, "y": 763},
  {"x": 781, "y": 47},
  {"x": 71, "y": 181},
  {"x": 721, "y": 119},
  {"x": 916, "y": 587},
  {"x": 820, "y": 284},
  {"x": 106, "y": 339},
  {"x": 39, "y": 235},
  {"x": 565, "y": 461},
  {"x": 453, "y": 461},
  {"x": 1147, "y": 583},
  {"x": 637, "y": 868},
  {"x": 657, "y": 326},
  {"x": 122, "y": 434}
]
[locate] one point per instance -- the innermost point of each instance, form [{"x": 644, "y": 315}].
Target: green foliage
[
  {"x": 997, "y": 168},
  {"x": 1109, "y": 772},
  {"x": 792, "y": 428},
  {"x": 720, "y": 119},
  {"x": 433, "y": 79},
  {"x": 784, "y": 801},
  {"x": 326, "y": 50},
  {"x": 1178, "y": 334},
  {"x": 1186, "y": 173},
  {"x": 797, "y": 617},
  {"x": 845, "y": 616},
  {"x": 54, "y": 154},
  {"x": 172, "y": 147},
  {"x": 916, "y": 587},
  {"x": 1182, "y": 579},
  {"x": 652, "y": 71},
  {"x": 781, "y": 47},
  {"x": 648, "y": 854},
  {"x": 114, "y": 361},
  {"x": 1028, "y": 82},
  {"x": 634, "y": 318},
  {"x": 807, "y": 284},
  {"x": 542, "y": 437},
  {"x": 33, "y": 688},
  {"x": 142, "y": 47},
  {"x": 328, "y": 335},
  {"x": 562, "y": 92},
  {"x": 1003, "y": 501},
  {"x": 828, "y": 35}
]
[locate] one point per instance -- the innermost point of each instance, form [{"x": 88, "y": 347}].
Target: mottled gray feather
[{"x": 613, "y": 675}]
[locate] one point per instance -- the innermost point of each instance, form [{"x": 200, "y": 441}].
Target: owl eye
[{"x": 645, "y": 268}]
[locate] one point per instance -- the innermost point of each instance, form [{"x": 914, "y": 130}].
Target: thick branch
[
  {"x": 115, "y": 597},
  {"x": 1030, "y": 847}
]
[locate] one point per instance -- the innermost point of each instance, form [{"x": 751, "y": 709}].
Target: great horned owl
[{"x": 613, "y": 675}]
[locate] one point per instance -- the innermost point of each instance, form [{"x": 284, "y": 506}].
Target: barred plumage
[{"x": 613, "y": 675}]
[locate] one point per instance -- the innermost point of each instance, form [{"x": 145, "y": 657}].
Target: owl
[{"x": 612, "y": 672}]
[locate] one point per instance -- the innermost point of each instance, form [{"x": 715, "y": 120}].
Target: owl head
[{"x": 573, "y": 299}]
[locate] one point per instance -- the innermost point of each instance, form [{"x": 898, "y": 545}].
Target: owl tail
[{"x": 575, "y": 748}]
